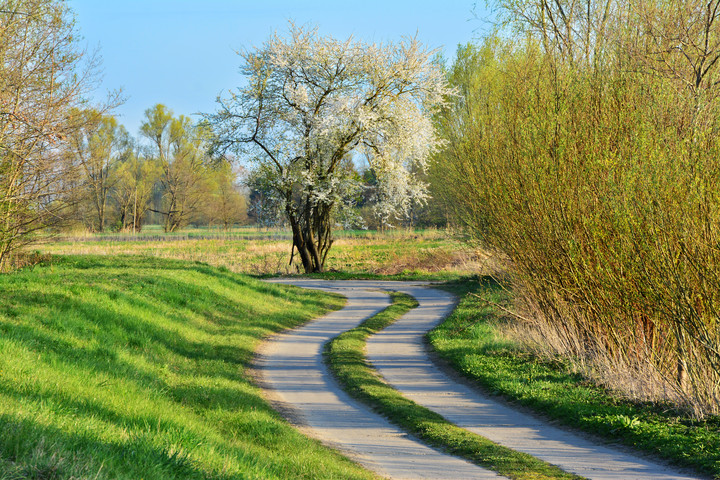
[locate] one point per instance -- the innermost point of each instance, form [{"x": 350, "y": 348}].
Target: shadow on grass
[
  {"x": 114, "y": 333},
  {"x": 73, "y": 455},
  {"x": 100, "y": 311},
  {"x": 169, "y": 341}
]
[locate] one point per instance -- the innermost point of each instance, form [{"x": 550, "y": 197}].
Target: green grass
[
  {"x": 347, "y": 361},
  {"x": 472, "y": 343},
  {"x": 130, "y": 368}
]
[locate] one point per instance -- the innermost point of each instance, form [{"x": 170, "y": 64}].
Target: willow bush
[{"x": 585, "y": 148}]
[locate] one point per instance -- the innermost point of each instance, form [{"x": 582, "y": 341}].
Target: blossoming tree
[{"x": 311, "y": 103}]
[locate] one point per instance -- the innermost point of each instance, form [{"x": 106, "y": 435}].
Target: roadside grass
[
  {"x": 403, "y": 254},
  {"x": 132, "y": 367},
  {"x": 472, "y": 341},
  {"x": 345, "y": 356}
]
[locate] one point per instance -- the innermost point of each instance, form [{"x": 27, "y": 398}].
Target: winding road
[{"x": 299, "y": 384}]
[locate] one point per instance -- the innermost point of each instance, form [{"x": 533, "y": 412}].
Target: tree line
[
  {"x": 66, "y": 161},
  {"x": 120, "y": 181},
  {"x": 172, "y": 176}
]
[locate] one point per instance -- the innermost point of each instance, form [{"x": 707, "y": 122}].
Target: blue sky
[{"x": 182, "y": 52}]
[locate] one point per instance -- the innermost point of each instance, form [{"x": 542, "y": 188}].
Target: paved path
[
  {"x": 291, "y": 365},
  {"x": 398, "y": 353}
]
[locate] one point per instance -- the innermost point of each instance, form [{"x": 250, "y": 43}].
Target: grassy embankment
[
  {"x": 345, "y": 355},
  {"x": 403, "y": 254},
  {"x": 472, "y": 340},
  {"x": 136, "y": 368}
]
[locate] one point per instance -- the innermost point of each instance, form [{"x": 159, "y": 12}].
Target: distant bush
[{"x": 587, "y": 150}]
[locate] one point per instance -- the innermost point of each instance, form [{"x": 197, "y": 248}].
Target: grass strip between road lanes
[
  {"x": 472, "y": 340},
  {"x": 346, "y": 358}
]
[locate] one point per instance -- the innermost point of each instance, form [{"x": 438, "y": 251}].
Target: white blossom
[{"x": 312, "y": 102}]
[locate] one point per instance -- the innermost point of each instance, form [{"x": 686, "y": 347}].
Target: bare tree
[
  {"x": 679, "y": 40},
  {"x": 43, "y": 76}
]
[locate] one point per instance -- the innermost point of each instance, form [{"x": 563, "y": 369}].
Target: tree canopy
[{"x": 180, "y": 148}]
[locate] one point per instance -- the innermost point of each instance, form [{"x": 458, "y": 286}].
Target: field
[
  {"x": 399, "y": 253},
  {"x": 129, "y": 368}
]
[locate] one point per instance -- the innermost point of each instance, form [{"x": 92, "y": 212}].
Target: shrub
[{"x": 591, "y": 162}]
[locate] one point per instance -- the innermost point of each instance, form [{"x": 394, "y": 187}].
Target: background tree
[
  {"x": 311, "y": 102},
  {"x": 264, "y": 209},
  {"x": 226, "y": 204},
  {"x": 180, "y": 148},
  {"x": 43, "y": 76},
  {"x": 98, "y": 146},
  {"x": 136, "y": 179}
]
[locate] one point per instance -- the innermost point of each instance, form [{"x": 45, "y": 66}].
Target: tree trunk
[
  {"x": 101, "y": 216},
  {"x": 304, "y": 243},
  {"x": 312, "y": 231},
  {"x": 123, "y": 218},
  {"x": 301, "y": 246}
]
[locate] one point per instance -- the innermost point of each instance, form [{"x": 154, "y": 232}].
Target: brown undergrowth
[{"x": 630, "y": 375}]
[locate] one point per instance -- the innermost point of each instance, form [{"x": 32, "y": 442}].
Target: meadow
[{"x": 399, "y": 253}]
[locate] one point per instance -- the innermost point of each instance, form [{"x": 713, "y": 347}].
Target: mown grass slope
[{"x": 127, "y": 367}]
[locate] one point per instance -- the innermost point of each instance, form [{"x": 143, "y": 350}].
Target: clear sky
[{"x": 182, "y": 52}]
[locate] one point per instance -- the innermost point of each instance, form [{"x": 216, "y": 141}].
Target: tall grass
[{"x": 593, "y": 165}]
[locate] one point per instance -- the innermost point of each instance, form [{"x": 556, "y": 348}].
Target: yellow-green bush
[{"x": 587, "y": 150}]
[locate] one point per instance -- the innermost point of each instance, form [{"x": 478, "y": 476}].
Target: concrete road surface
[{"x": 291, "y": 368}]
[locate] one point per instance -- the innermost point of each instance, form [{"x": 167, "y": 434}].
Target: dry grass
[
  {"x": 384, "y": 256},
  {"x": 23, "y": 259},
  {"x": 391, "y": 253},
  {"x": 629, "y": 377}
]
